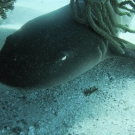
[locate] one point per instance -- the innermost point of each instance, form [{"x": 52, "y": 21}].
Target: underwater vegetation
[
  {"x": 104, "y": 14},
  {"x": 6, "y": 5}
]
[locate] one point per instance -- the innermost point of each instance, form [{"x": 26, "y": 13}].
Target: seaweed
[{"x": 6, "y": 5}]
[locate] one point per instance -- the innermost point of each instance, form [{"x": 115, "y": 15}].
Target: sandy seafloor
[{"x": 65, "y": 110}]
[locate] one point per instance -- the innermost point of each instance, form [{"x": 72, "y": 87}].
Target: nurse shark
[{"x": 53, "y": 49}]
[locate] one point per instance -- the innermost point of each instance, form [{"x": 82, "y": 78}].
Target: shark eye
[{"x": 64, "y": 58}]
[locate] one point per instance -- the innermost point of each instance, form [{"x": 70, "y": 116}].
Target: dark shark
[{"x": 52, "y": 49}]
